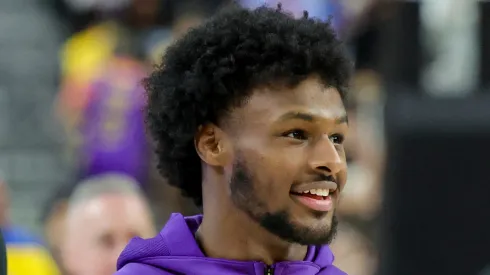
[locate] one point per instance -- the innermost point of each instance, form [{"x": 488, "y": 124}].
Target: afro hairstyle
[{"x": 214, "y": 67}]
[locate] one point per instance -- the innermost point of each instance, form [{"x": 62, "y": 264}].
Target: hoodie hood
[{"x": 175, "y": 251}]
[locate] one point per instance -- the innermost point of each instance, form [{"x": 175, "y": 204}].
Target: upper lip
[{"x": 315, "y": 185}]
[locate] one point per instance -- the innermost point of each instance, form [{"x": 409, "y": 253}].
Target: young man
[{"x": 248, "y": 117}]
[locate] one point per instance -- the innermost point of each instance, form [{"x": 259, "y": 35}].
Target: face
[
  {"x": 98, "y": 231},
  {"x": 287, "y": 144}
]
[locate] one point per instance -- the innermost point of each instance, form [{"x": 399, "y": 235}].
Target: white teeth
[{"x": 319, "y": 192}]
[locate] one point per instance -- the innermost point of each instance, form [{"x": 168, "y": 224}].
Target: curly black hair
[{"x": 214, "y": 67}]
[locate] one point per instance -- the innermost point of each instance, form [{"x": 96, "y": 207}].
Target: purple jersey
[{"x": 113, "y": 131}]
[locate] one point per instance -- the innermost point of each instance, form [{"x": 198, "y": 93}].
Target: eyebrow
[
  {"x": 342, "y": 119},
  {"x": 310, "y": 118}
]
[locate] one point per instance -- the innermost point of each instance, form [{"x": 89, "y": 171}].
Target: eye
[
  {"x": 107, "y": 241},
  {"x": 296, "y": 134},
  {"x": 337, "y": 138}
]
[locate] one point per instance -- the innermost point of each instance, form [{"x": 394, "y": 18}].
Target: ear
[{"x": 212, "y": 145}]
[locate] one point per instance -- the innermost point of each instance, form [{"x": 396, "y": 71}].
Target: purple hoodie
[{"x": 175, "y": 251}]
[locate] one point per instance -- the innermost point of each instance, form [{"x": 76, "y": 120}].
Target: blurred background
[{"x": 416, "y": 200}]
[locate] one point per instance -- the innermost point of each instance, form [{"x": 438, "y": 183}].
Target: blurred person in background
[
  {"x": 112, "y": 128},
  {"x": 53, "y": 221},
  {"x": 133, "y": 29},
  {"x": 247, "y": 112},
  {"x": 364, "y": 148},
  {"x": 355, "y": 246},
  {"x": 127, "y": 30},
  {"x": 101, "y": 103},
  {"x": 353, "y": 251},
  {"x": 26, "y": 253},
  {"x": 100, "y": 99},
  {"x": 104, "y": 213}
]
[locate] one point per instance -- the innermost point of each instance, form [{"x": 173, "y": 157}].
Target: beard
[{"x": 244, "y": 196}]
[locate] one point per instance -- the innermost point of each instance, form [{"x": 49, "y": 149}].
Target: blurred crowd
[{"x": 114, "y": 192}]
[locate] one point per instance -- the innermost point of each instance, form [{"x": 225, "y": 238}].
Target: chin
[
  {"x": 309, "y": 217},
  {"x": 316, "y": 225},
  {"x": 310, "y": 228},
  {"x": 317, "y": 235}
]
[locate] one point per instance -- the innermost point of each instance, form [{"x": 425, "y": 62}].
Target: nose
[{"x": 326, "y": 158}]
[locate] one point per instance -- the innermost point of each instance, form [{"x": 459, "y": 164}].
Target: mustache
[
  {"x": 318, "y": 178},
  {"x": 325, "y": 178}
]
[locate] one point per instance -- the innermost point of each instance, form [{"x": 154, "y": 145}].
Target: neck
[{"x": 228, "y": 233}]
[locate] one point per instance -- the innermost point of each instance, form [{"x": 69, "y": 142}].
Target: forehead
[
  {"x": 121, "y": 212},
  {"x": 310, "y": 95}
]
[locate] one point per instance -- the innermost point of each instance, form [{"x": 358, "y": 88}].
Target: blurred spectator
[
  {"x": 112, "y": 129},
  {"x": 104, "y": 213},
  {"x": 354, "y": 247},
  {"x": 53, "y": 220},
  {"x": 132, "y": 32},
  {"x": 352, "y": 252},
  {"x": 100, "y": 101},
  {"x": 25, "y": 252},
  {"x": 361, "y": 194}
]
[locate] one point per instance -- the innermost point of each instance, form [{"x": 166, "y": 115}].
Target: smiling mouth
[
  {"x": 318, "y": 194},
  {"x": 316, "y": 199}
]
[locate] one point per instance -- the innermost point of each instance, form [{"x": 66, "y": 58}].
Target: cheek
[
  {"x": 274, "y": 178},
  {"x": 273, "y": 168},
  {"x": 102, "y": 263},
  {"x": 139, "y": 224}
]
